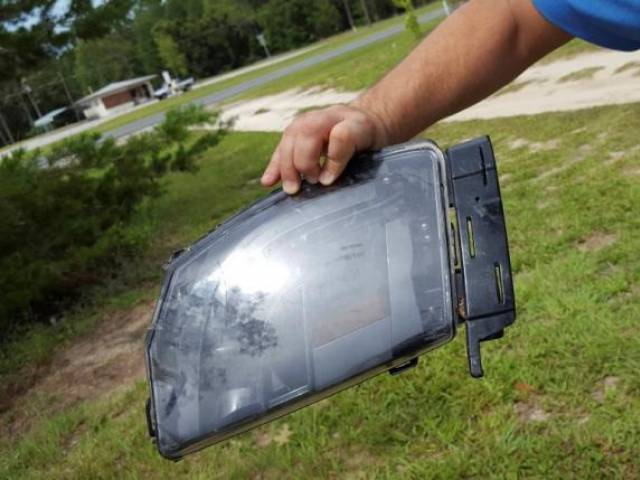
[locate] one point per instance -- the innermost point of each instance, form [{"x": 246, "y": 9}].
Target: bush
[
  {"x": 66, "y": 214},
  {"x": 410, "y": 20}
]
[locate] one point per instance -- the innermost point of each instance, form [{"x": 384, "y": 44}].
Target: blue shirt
[{"x": 608, "y": 23}]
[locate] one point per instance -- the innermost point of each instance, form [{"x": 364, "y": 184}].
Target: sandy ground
[
  {"x": 106, "y": 360},
  {"x": 540, "y": 89},
  {"x": 274, "y": 112}
]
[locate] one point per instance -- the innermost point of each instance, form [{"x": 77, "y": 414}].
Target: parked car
[{"x": 173, "y": 86}]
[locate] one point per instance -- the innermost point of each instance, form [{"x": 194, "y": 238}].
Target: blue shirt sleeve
[{"x": 608, "y": 23}]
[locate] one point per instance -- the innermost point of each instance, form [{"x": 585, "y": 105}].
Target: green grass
[
  {"x": 561, "y": 398},
  {"x": 583, "y": 74},
  {"x": 349, "y": 72}
]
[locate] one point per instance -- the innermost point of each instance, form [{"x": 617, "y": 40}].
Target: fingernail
[
  {"x": 327, "y": 178},
  {"x": 290, "y": 187}
]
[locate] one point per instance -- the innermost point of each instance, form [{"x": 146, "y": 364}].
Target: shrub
[
  {"x": 66, "y": 214},
  {"x": 411, "y": 20}
]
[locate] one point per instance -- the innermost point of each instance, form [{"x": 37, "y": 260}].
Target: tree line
[{"x": 52, "y": 52}]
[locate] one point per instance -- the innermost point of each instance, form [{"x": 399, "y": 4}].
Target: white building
[{"x": 117, "y": 97}]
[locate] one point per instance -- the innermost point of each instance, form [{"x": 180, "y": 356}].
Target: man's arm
[{"x": 477, "y": 50}]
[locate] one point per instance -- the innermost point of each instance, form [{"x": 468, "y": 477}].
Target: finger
[
  {"x": 306, "y": 155},
  {"x": 289, "y": 175},
  {"x": 341, "y": 148},
  {"x": 271, "y": 174}
]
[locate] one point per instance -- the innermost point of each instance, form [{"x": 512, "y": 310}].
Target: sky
[{"x": 60, "y": 8}]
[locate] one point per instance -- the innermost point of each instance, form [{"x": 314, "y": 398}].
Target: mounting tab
[{"x": 484, "y": 282}]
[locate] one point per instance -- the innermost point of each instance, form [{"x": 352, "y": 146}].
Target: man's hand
[{"x": 333, "y": 134}]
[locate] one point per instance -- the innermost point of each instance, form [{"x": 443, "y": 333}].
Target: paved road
[{"x": 230, "y": 92}]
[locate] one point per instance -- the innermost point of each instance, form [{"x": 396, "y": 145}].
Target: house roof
[
  {"x": 49, "y": 117},
  {"x": 116, "y": 87}
]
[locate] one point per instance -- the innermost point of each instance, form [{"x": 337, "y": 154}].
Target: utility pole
[
  {"x": 68, "y": 93},
  {"x": 5, "y": 127},
  {"x": 3, "y": 139},
  {"x": 25, "y": 107},
  {"x": 365, "y": 8},
  {"x": 349, "y": 16},
  {"x": 263, "y": 41},
  {"x": 28, "y": 90}
]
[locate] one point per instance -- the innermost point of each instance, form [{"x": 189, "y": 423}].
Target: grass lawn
[
  {"x": 561, "y": 398},
  {"x": 349, "y": 72}
]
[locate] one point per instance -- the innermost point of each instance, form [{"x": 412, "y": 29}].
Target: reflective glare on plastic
[{"x": 298, "y": 297}]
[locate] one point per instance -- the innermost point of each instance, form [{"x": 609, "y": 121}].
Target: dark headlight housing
[{"x": 298, "y": 297}]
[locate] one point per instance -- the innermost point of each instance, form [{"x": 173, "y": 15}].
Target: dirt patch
[
  {"x": 619, "y": 156},
  {"x": 592, "y": 82},
  {"x": 275, "y": 112},
  {"x": 531, "y": 412},
  {"x": 96, "y": 365},
  {"x": 74, "y": 438},
  {"x": 534, "y": 146},
  {"x": 607, "y": 385},
  {"x": 519, "y": 143},
  {"x": 583, "y": 419},
  {"x": 266, "y": 435},
  {"x": 615, "y": 156},
  {"x": 357, "y": 460},
  {"x": 513, "y": 87},
  {"x": 538, "y": 90},
  {"x": 597, "y": 241},
  {"x": 634, "y": 67},
  {"x": 544, "y": 146},
  {"x": 583, "y": 151},
  {"x": 582, "y": 74}
]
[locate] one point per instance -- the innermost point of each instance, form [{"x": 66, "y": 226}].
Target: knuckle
[
  {"x": 284, "y": 163},
  {"x": 295, "y": 126},
  {"x": 335, "y": 166},
  {"x": 338, "y": 108},
  {"x": 341, "y": 135},
  {"x": 288, "y": 172},
  {"x": 311, "y": 123},
  {"x": 304, "y": 164}
]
